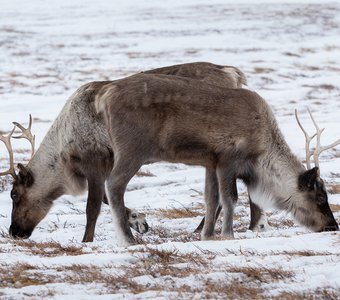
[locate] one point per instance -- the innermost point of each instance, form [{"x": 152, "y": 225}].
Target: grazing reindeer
[
  {"x": 54, "y": 171},
  {"x": 76, "y": 153},
  {"x": 227, "y": 77},
  {"x": 153, "y": 117},
  {"x": 316, "y": 153}
]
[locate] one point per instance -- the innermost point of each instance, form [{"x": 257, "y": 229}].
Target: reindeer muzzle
[
  {"x": 17, "y": 232},
  {"x": 331, "y": 228}
]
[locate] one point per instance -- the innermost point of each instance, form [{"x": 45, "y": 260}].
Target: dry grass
[
  {"x": 141, "y": 173},
  {"x": 4, "y": 234},
  {"x": 161, "y": 234},
  {"x": 226, "y": 289},
  {"x": 49, "y": 249},
  {"x": 172, "y": 264},
  {"x": 321, "y": 293},
  {"x": 157, "y": 263},
  {"x": 259, "y": 70},
  {"x": 302, "y": 253},
  {"x": 22, "y": 274},
  {"x": 178, "y": 213},
  {"x": 172, "y": 256},
  {"x": 335, "y": 207},
  {"x": 263, "y": 274},
  {"x": 334, "y": 189},
  {"x": 165, "y": 270},
  {"x": 283, "y": 223},
  {"x": 83, "y": 274}
]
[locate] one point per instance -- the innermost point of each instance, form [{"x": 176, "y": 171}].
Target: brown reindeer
[
  {"x": 231, "y": 132},
  {"x": 257, "y": 214},
  {"x": 227, "y": 77},
  {"x": 76, "y": 154}
]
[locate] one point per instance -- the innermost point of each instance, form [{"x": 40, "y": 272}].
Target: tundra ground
[{"x": 290, "y": 52}]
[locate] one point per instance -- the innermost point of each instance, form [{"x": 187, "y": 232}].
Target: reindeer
[
  {"x": 257, "y": 214},
  {"x": 56, "y": 178},
  {"x": 232, "y": 132},
  {"x": 227, "y": 77},
  {"x": 76, "y": 154}
]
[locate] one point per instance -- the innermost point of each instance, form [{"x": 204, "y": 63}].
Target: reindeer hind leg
[
  {"x": 212, "y": 203},
  {"x": 228, "y": 197}
]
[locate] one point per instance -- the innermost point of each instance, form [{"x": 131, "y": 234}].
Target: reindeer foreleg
[{"x": 94, "y": 201}]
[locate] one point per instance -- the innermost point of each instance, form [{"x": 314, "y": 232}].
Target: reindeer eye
[
  {"x": 134, "y": 216},
  {"x": 14, "y": 196}
]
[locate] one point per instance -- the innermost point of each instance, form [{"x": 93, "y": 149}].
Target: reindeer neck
[
  {"x": 46, "y": 164},
  {"x": 277, "y": 176}
]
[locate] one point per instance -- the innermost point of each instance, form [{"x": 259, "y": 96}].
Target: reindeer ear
[
  {"x": 308, "y": 179},
  {"x": 25, "y": 176}
]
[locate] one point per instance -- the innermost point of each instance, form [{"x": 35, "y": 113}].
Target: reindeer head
[
  {"x": 26, "y": 214},
  {"x": 312, "y": 208}
]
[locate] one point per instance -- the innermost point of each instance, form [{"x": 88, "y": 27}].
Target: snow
[{"x": 290, "y": 52}]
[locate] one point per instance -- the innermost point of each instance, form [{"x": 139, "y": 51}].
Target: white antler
[
  {"x": 26, "y": 134},
  {"x": 319, "y": 148},
  {"x": 7, "y": 141},
  {"x": 308, "y": 139}
]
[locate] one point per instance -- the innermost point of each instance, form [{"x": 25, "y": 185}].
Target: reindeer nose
[
  {"x": 331, "y": 227},
  {"x": 16, "y": 232}
]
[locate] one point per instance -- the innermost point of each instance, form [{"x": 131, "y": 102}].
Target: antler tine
[
  {"x": 319, "y": 148},
  {"x": 26, "y": 134},
  {"x": 7, "y": 141},
  {"x": 308, "y": 139}
]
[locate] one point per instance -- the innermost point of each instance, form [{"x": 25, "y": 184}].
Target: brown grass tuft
[
  {"x": 226, "y": 289},
  {"x": 178, "y": 213},
  {"x": 21, "y": 275},
  {"x": 141, "y": 173},
  {"x": 334, "y": 189},
  {"x": 49, "y": 249},
  {"x": 302, "y": 253},
  {"x": 321, "y": 293},
  {"x": 161, "y": 234},
  {"x": 335, "y": 207},
  {"x": 156, "y": 262},
  {"x": 262, "y": 274},
  {"x": 82, "y": 274},
  {"x": 260, "y": 70}
]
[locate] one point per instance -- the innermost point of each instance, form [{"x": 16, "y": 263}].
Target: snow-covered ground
[{"x": 290, "y": 52}]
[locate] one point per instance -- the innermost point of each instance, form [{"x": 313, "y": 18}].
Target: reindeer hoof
[
  {"x": 227, "y": 235},
  {"x": 137, "y": 221},
  {"x": 207, "y": 237},
  {"x": 261, "y": 226}
]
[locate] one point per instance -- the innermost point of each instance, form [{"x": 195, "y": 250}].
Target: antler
[
  {"x": 7, "y": 142},
  {"x": 26, "y": 134},
  {"x": 319, "y": 148},
  {"x": 308, "y": 139}
]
